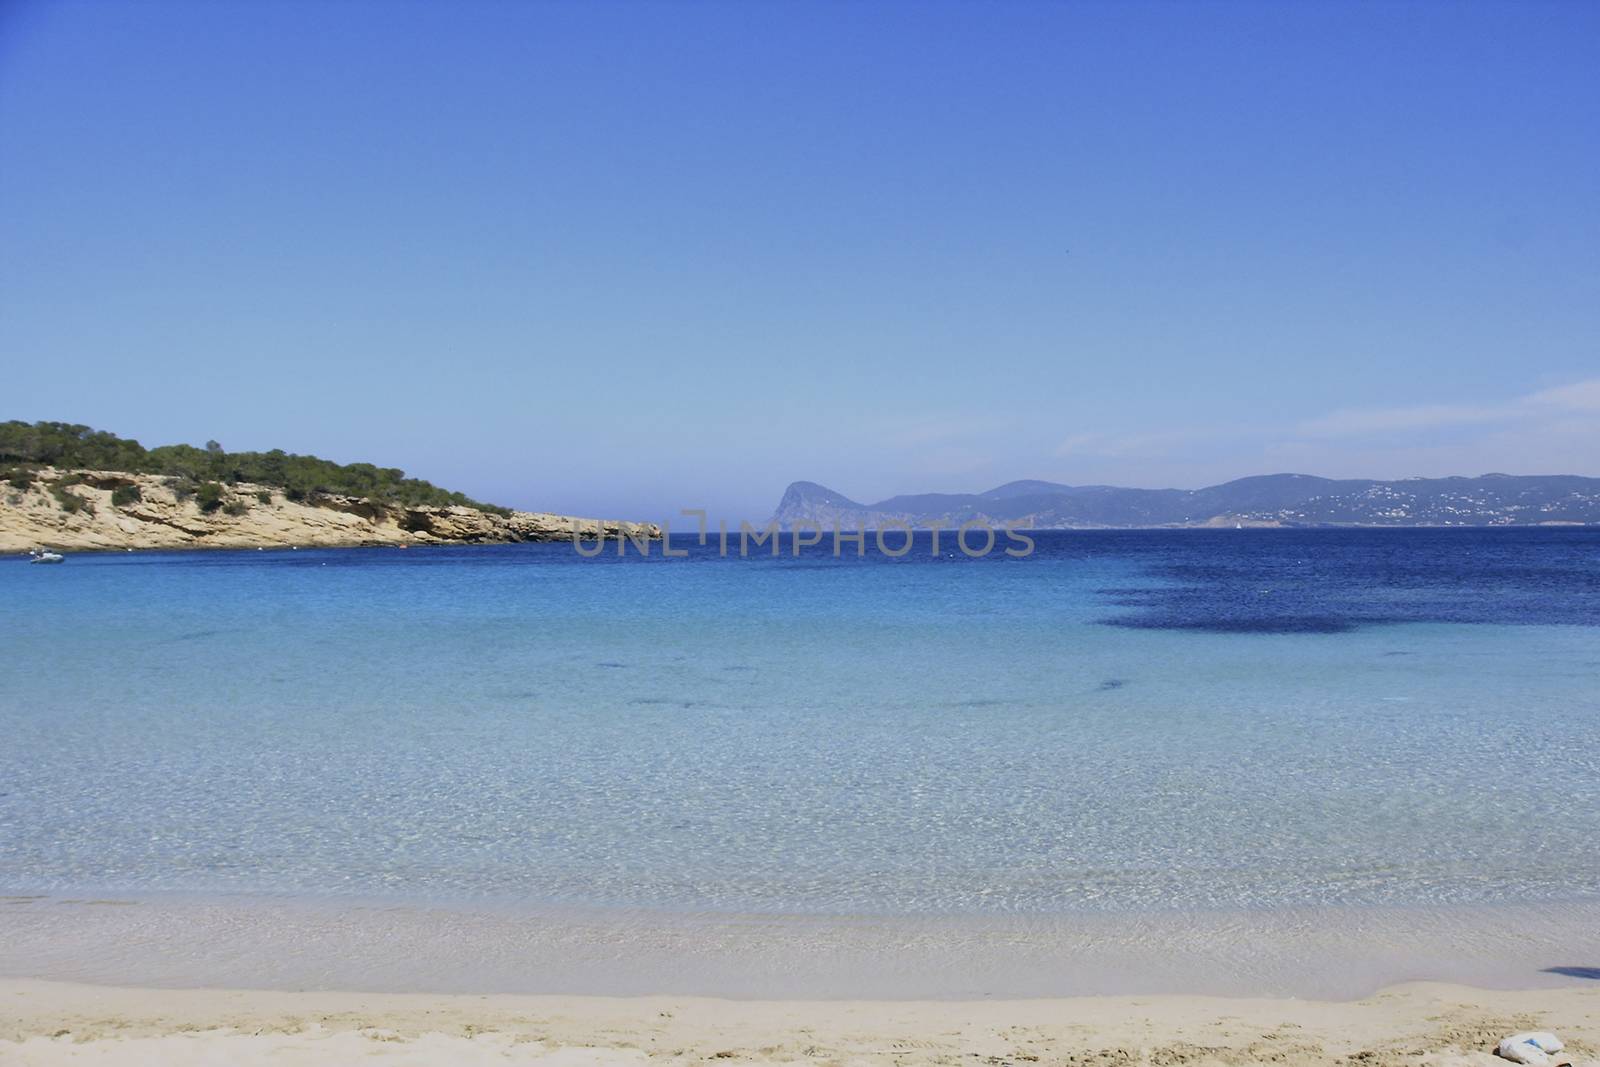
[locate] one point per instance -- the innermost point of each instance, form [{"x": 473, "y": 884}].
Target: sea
[{"x": 1241, "y": 760}]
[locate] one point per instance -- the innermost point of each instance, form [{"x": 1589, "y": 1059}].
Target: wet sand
[{"x": 282, "y": 943}]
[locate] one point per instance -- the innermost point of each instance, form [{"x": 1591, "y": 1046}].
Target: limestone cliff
[{"x": 75, "y": 510}]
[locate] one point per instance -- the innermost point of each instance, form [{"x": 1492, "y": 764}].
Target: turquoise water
[{"x": 1123, "y": 723}]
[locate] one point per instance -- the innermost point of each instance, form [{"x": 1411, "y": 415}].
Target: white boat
[{"x": 44, "y": 555}]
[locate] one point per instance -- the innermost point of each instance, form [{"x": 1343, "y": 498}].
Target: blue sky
[{"x": 625, "y": 258}]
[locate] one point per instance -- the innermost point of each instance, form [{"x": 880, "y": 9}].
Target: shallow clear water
[{"x": 1123, "y": 722}]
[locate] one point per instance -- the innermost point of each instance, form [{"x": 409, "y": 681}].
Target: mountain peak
[
  {"x": 812, "y": 503},
  {"x": 811, "y": 493}
]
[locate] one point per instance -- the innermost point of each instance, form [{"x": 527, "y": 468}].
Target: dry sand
[{"x": 48, "y": 1023}]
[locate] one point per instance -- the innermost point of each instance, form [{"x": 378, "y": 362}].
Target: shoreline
[
  {"x": 43, "y": 1024},
  {"x": 387, "y": 946}
]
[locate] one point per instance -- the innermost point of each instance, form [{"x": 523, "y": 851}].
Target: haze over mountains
[{"x": 1265, "y": 500}]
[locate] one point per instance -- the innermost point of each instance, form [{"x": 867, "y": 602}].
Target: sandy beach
[{"x": 48, "y": 1023}]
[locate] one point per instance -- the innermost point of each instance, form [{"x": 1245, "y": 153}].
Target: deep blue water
[{"x": 1122, "y": 721}]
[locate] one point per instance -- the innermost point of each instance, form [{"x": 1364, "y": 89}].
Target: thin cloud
[
  {"x": 1154, "y": 444},
  {"x": 1356, "y": 422},
  {"x": 1579, "y": 396},
  {"x": 1549, "y": 430}
]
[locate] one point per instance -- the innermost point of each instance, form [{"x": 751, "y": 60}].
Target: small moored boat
[{"x": 44, "y": 555}]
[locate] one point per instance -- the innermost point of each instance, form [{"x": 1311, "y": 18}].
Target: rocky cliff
[{"x": 75, "y": 509}]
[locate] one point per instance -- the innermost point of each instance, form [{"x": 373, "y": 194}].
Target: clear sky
[{"x": 626, "y": 258}]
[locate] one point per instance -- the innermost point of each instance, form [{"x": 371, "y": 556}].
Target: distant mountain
[{"x": 1266, "y": 500}]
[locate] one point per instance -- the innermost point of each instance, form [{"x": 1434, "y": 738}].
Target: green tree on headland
[
  {"x": 59, "y": 444},
  {"x": 209, "y": 496}
]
